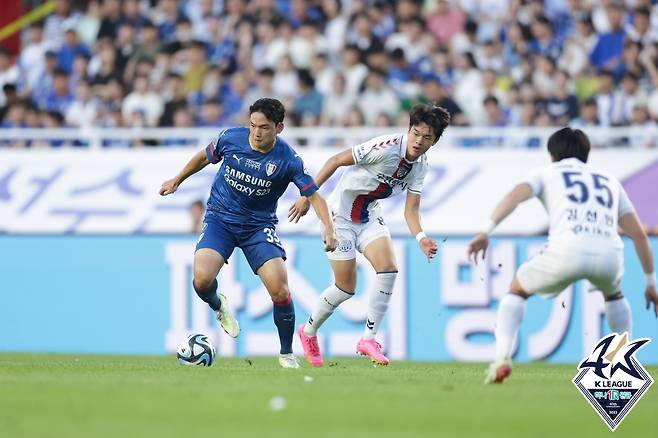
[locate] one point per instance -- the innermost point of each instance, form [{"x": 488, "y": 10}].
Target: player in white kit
[
  {"x": 379, "y": 168},
  {"x": 585, "y": 207}
]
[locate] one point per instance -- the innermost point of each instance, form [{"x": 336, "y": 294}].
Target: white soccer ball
[{"x": 196, "y": 349}]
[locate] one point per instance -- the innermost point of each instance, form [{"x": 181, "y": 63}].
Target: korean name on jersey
[{"x": 583, "y": 205}]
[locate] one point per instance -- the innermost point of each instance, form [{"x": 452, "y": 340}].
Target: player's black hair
[
  {"x": 569, "y": 143},
  {"x": 438, "y": 118},
  {"x": 272, "y": 108}
]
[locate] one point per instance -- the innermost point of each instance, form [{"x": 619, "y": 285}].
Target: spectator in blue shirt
[
  {"x": 544, "y": 42},
  {"x": 496, "y": 115},
  {"x": 401, "y": 73},
  {"x": 308, "y": 104},
  {"x": 59, "y": 97},
  {"x": 212, "y": 114},
  {"x": 233, "y": 98},
  {"x": 607, "y": 54},
  {"x": 72, "y": 47}
]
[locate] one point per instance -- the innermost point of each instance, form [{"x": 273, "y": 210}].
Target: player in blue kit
[{"x": 256, "y": 168}]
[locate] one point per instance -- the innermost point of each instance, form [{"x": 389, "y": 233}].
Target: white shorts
[
  {"x": 552, "y": 270},
  {"x": 354, "y": 237}
]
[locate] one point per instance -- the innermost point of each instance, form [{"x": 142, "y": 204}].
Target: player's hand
[
  {"x": 168, "y": 187},
  {"x": 330, "y": 240},
  {"x": 652, "y": 297},
  {"x": 429, "y": 247},
  {"x": 298, "y": 209},
  {"x": 479, "y": 243}
]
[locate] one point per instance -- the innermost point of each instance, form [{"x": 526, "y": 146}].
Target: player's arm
[
  {"x": 322, "y": 211},
  {"x": 344, "y": 158},
  {"x": 412, "y": 217},
  {"x": 522, "y": 192},
  {"x": 630, "y": 224},
  {"x": 196, "y": 163}
]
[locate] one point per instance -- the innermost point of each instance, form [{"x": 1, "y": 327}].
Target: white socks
[
  {"x": 378, "y": 303},
  {"x": 332, "y": 297},
  {"x": 510, "y": 315},
  {"x": 327, "y": 303},
  {"x": 618, "y": 313}
]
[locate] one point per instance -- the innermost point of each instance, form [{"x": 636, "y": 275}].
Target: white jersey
[
  {"x": 583, "y": 205},
  {"x": 381, "y": 170}
]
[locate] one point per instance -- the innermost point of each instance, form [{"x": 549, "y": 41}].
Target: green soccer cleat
[
  {"x": 226, "y": 318},
  {"x": 288, "y": 361}
]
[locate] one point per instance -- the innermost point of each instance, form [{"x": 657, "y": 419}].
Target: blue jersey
[{"x": 249, "y": 183}]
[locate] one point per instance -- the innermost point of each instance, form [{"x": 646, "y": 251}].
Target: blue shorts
[{"x": 259, "y": 243}]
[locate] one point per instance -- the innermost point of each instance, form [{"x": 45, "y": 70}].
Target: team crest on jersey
[
  {"x": 402, "y": 172},
  {"x": 270, "y": 168},
  {"x": 611, "y": 378}
]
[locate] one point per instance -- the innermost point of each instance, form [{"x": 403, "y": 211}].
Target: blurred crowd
[{"x": 185, "y": 63}]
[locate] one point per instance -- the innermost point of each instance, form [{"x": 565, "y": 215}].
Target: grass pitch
[{"x": 115, "y": 396}]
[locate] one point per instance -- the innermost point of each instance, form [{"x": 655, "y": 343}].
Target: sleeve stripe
[
  {"x": 214, "y": 153},
  {"x": 354, "y": 156},
  {"x": 210, "y": 155},
  {"x": 308, "y": 186},
  {"x": 415, "y": 191}
]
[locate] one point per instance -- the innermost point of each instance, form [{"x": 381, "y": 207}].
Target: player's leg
[
  {"x": 618, "y": 313},
  {"x": 207, "y": 263},
  {"x": 264, "y": 253},
  {"x": 340, "y": 291},
  {"x": 275, "y": 279},
  {"x": 213, "y": 249},
  {"x": 609, "y": 270},
  {"x": 379, "y": 252},
  {"x": 343, "y": 264},
  {"x": 548, "y": 273},
  {"x": 508, "y": 320}
]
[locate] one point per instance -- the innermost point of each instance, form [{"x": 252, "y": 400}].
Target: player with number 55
[{"x": 585, "y": 207}]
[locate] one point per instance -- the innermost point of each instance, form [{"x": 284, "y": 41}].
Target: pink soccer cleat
[
  {"x": 498, "y": 371},
  {"x": 311, "y": 347},
  {"x": 372, "y": 349}
]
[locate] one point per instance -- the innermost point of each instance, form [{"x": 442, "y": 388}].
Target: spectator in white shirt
[
  {"x": 57, "y": 23},
  {"x": 337, "y": 102},
  {"x": 355, "y": 72},
  {"x": 606, "y": 99},
  {"x": 32, "y": 56},
  {"x": 143, "y": 100},
  {"x": 378, "y": 98},
  {"x": 83, "y": 111},
  {"x": 409, "y": 39},
  {"x": 627, "y": 97},
  {"x": 323, "y": 73},
  {"x": 336, "y": 28}
]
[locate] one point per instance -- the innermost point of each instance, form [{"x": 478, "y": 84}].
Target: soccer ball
[{"x": 196, "y": 349}]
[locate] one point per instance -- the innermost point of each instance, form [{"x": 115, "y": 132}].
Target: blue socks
[
  {"x": 284, "y": 318},
  {"x": 209, "y": 295}
]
